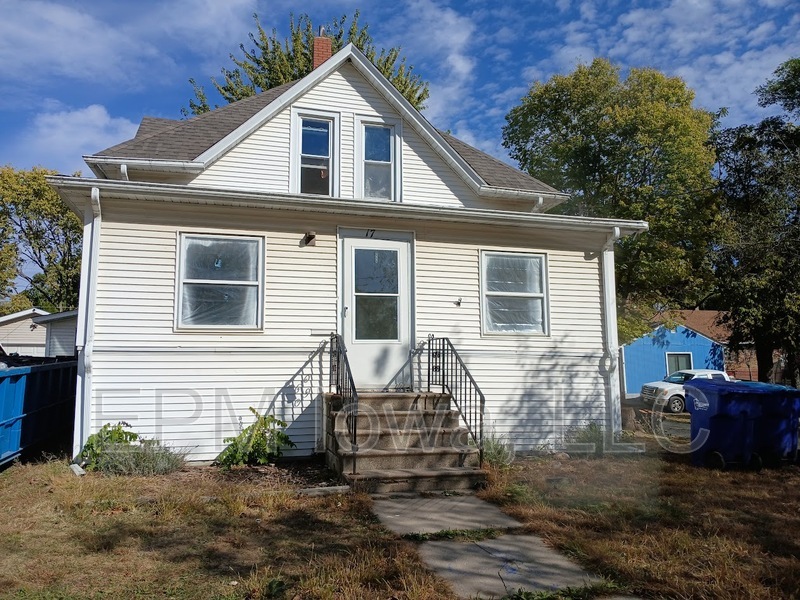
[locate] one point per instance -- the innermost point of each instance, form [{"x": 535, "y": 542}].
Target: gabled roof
[
  {"x": 495, "y": 172},
  {"x": 23, "y": 314},
  {"x": 59, "y": 316},
  {"x": 174, "y": 140},
  {"x": 195, "y": 143},
  {"x": 704, "y": 322}
]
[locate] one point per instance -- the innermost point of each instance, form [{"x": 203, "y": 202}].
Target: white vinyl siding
[
  {"x": 61, "y": 337},
  {"x": 261, "y": 162},
  {"x": 24, "y": 337},
  {"x": 535, "y": 386},
  {"x": 190, "y": 388}
]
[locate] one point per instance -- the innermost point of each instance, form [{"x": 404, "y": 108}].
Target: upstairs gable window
[
  {"x": 377, "y": 158},
  {"x": 378, "y": 162},
  {"x": 315, "y": 152},
  {"x": 315, "y": 157}
]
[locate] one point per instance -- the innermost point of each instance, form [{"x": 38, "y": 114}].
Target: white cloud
[
  {"x": 443, "y": 38},
  {"x": 58, "y": 139},
  {"x": 41, "y": 40}
]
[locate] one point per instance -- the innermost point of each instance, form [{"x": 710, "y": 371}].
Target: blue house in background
[{"x": 663, "y": 351}]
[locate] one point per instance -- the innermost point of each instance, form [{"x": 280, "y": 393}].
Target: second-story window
[
  {"x": 315, "y": 157},
  {"x": 378, "y": 172}
]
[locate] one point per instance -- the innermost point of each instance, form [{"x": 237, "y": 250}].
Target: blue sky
[{"x": 76, "y": 76}]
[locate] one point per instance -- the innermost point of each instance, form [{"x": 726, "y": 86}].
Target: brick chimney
[{"x": 322, "y": 48}]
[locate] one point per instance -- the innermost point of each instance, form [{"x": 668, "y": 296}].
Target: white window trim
[
  {"x": 668, "y": 354},
  {"x": 545, "y": 295},
  {"x": 295, "y": 146},
  {"x": 179, "y": 281},
  {"x": 397, "y": 155}
]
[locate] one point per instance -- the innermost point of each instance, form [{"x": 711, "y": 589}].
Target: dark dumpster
[
  {"x": 724, "y": 419},
  {"x": 745, "y": 422},
  {"x": 776, "y": 430}
]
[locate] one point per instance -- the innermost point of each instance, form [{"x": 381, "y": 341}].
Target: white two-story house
[{"x": 221, "y": 251}]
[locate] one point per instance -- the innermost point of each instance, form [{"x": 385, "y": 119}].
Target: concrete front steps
[{"x": 406, "y": 441}]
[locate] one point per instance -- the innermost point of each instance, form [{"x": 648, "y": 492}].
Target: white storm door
[{"x": 376, "y": 309}]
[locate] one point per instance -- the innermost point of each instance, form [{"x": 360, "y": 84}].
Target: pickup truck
[{"x": 668, "y": 394}]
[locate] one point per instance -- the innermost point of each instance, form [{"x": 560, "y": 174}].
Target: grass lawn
[
  {"x": 661, "y": 527},
  {"x": 198, "y": 533}
]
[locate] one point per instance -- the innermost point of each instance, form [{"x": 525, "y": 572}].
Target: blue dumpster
[
  {"x": 724, "y": 416},
  {"x": 776, "y": 430}
]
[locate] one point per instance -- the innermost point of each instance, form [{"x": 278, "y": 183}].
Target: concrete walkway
[{"x": 490, "y": 568}]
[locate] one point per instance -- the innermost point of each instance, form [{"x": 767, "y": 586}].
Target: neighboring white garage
[
  {"x": 20, "y": 334},
  {"x": 61, "y": 327}
]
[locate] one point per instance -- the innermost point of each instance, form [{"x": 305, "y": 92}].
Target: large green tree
[
  {"x": 271, "y": 62},
  {"x": 758, "y": 261},
  {"x": 633, "y": 148},
  {"x": 41, "y": 243}
]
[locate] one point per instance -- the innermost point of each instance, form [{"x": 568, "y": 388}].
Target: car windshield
[{"x": 678, "y": 377}]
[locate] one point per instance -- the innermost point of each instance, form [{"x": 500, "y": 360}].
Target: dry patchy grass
[
  {"x": 198, "y": 533},
  {"x": 661, "y": 527}
]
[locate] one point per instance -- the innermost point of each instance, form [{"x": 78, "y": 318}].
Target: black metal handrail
[
  {"x": 446, "y": 368},
  {"x": 341, "y": 379}
]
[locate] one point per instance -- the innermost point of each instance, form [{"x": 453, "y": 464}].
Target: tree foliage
[
  {"x": 632, "y": 148},
  {"x": 41, "y": 242},
  {"x": 783, "y": 89},
  {"x": 758, "y": 261},
  {"x": 271, "y": 62}
]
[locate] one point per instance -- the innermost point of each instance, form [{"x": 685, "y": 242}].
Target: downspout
[
  {"x": 611, "y": 350},
  {"x": 85, "y": 332}
]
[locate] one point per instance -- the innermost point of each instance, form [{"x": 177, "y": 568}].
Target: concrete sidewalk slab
[
  {"x": 493, "y": 568},
  {"x": 436, "y": 513}
]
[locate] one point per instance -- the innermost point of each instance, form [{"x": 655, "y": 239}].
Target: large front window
[
  {"x": 514, "y": 293},
  {"x": 220, "y": 282}
]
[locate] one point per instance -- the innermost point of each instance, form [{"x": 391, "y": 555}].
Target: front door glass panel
[{"x": 376, "y": 286}]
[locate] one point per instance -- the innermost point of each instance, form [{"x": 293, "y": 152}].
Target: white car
[{"x": 668, "y": 393}]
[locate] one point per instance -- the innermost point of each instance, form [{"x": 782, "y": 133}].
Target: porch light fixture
[{"x": 310, "y": 238}]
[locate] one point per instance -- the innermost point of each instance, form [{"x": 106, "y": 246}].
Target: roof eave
[
  {"x": 70, "y": 186},
  {"x": 98, "y": 165},
  {"x": 542, "y": 201}
]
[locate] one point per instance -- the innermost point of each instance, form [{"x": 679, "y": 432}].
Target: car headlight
[{"x": 662, "y": 393}]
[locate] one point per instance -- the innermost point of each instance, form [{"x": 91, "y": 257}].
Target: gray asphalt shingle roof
[
  {"x": 185, "y": 140},
  {"x": 495, "y": 172},
  {"x": 165, "y": 139}
]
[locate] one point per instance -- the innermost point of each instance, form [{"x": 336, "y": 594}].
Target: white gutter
[
  {"x": 366, "y": 208},
  {"x": 84, "y": 340},
  {"x": 187, "y": 166},
  {"x": 611, "y": 350}
]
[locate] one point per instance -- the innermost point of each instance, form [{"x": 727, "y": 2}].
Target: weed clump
[
  {"x": 114, "y": 450},
  {"x": 257, "y": 444}
]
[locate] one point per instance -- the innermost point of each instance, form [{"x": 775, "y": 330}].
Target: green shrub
[
  {"x": 147, "y": 458},
  {"x": 98, "y": 442},
  {"x": 257, "y": 444},
  {"x": 112, "y": 451}
]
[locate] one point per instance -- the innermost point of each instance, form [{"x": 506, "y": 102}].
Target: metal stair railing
[
  {"x": 446, "y": 368},
  {"x": 341, "y": 379}
]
